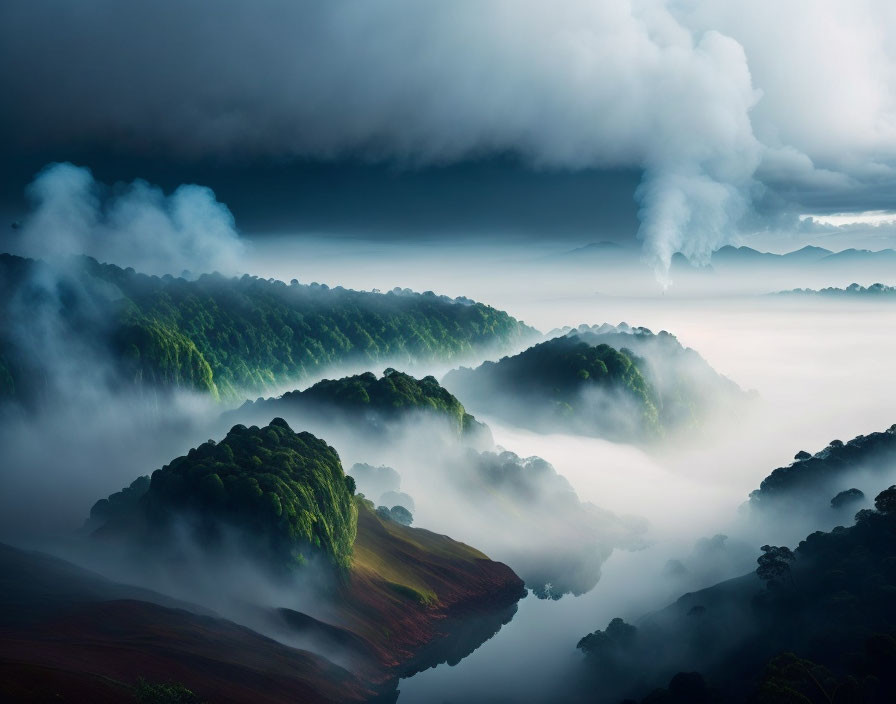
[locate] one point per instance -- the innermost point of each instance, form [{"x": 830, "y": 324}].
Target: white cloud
[
  {"x": 874, "y": 218},
  {"x": 131, "y": 225},
  {"x": 718, "y": 102}
]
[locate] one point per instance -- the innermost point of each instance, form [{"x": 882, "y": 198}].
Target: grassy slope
[
  {"x": 69, "y": 635},
  {"x": 408, "y": 603},
  {"x": 407, "y": 584}
]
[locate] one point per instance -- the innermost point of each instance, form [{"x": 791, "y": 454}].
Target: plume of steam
[{"x": 129, "y": 225}]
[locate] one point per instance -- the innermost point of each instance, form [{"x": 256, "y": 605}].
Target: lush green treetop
[
  {"x": 549, "y": 383},
  {"x": 230, "y": 336},
  {"x": 391, "y": 395},
  {"x": 286, "y": 491}
]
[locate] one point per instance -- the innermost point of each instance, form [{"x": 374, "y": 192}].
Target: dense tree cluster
[
  {"x": 285, "y": 491},
  {"x": 847, "y": 497},
  {"x": 612, "y": 381},
  {"x": 390, "y": 396},
  {"x": 825, "y": 633},
  {"x": 226, "y": 335},
  {"x": 549, "y": 384},
  {"x": 824, "y": 473},
  {"x": 399, "y": 514}
]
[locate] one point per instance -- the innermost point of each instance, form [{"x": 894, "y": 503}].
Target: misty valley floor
[{"x": 814, "y": 364}]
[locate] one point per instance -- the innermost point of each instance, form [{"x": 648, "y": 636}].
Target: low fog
[{"x": 661, "y": 519}]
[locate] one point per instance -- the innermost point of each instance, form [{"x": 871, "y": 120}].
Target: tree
[
  {"x": 163, "y": 693},
  {"x": 401, "y": 515},
  {"x": 774, "y": 564},
  {"x": 847, "y": 497},
  {"x": 618, "y": 635},
  {"x": 885, "y": 501}
]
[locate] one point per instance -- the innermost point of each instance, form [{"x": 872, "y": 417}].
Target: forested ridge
[
  {"x": 389, "y": 396},
  {"x": 820, "y": 630},
  {"x": 812, "y": 477},
  {"x": 285, "y": 493},
  {"x": 548, "y": 380},
  {"x": 613, "y": 381},
  {"x": 227, "y": 336}
]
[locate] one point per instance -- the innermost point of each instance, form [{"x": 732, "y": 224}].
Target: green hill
[
  {"x": 224, "y": 335},
  {"x": 284, "y": 492},
  {"x": 389, "y": 397},
  {"x": 821, "y": 629},
  {"x": 564, "y": 383},
  {"x": 618, "y": 382}
]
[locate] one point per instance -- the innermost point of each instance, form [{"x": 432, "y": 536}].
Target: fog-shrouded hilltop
[
  {"x": 224, "y": 336},
  {"x": 376, "y": 400},
  {"x": 442, "y": 465},
  {"x": 815, "y": 624},
  {"x": 813, "y": 484},
  {"x": 283, "y": 493},
  {"x": 380, "y": 597},
  {"x": 611, "y": 381}
]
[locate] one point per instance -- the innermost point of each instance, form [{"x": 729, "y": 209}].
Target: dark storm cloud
[
  {"x": 713, "y": 105},
  {"x": 499, "y": 197}
]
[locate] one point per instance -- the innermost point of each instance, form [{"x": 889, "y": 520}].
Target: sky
[{"x": 682, "y": 124}]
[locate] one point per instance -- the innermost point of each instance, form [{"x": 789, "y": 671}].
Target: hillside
[
  {"x": 821, "y": 629},
  {"x": 69, "y": 635},
  {"x": 617, "y": 382},
  {"x": 413, "y": 599},
  {"x": 416, "y": 598},
  {"x": 393, "y": 396},
  {"x": 561, "y": 541},
  {"x": 224, "y": 336},
  {"x": 810, "y": 482},
  {"x": 388, "y": 598},
  {"x": 284, "y": 493}
]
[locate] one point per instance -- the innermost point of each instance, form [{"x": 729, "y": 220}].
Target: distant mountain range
[
  {"x": 731, "y": 270},
  {"x": 874, "y": 290},
  {"x": 728, "y": 255}
]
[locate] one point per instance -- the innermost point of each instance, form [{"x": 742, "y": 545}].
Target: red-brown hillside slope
[{"x": 412, "y": 599}]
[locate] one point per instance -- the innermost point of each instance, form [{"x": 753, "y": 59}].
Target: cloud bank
[
  {"x": 718, "y": 103},
  {"x": 130, "y": 224}
]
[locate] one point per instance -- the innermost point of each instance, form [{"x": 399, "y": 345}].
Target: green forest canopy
[
  {"x": 286, "y": 491},
  {"x": 553, "y": 374},
  {"x": 393, "y": 394},
  {"x": 227, "y": 335}
]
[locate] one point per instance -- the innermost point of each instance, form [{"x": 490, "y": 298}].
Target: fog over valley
[{"x": 467, "y": 352}]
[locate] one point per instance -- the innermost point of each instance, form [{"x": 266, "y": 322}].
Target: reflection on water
[{"x": 534, "y": 658}]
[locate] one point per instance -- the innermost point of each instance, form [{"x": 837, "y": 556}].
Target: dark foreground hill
[
  {"x": 69, "y": 635},
  {"x": 814, "y": 625},
  {"x": 413, "y": 599},
  {"x": 812, "y": 481}
]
